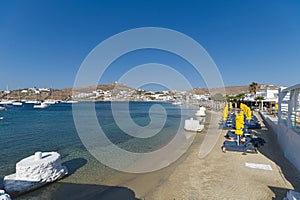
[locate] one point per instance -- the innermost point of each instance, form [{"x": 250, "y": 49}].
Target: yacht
[
  {"x": 17, "y": 103},
  {"x": 177, "y": 103},
  {"x": 50, "y": 101},
  {"x": 41, "y": 105},
  {"x": 7, "y": 102},
  {"x": 32, "y": 102},
  {"x": 70, "y": 101}
]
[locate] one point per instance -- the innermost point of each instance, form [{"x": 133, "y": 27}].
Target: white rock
[
  {"x": 4, "y": 196},
  {"x": 201, "y": 112},
  {"x": 193, "y": 125},
  {"x": 35, "y": 171}
]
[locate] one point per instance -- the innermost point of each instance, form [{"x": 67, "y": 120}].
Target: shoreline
[{"x": 144, "y": 185}]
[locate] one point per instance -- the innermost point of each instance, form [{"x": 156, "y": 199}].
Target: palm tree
[
  {"x": 253, "y": 87},
  {"x": 260, "y": 98},
  {"x": 240, "y": 96}
]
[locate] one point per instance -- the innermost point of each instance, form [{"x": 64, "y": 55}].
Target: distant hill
[
  {"x": 230, "y": 90},
  {"x": 66, "y": 93}
]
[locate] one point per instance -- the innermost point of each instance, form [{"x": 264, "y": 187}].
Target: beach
[
  {"x": 216, "y": 176},
  {"x": 219, "y": 175}
]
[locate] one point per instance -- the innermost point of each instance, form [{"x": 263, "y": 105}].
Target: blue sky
[{"x": 43, "y": 43}]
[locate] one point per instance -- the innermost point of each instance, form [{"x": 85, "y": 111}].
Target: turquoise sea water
[{"x": 25, "y": 130}]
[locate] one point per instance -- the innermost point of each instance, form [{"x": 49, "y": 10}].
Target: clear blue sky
[{"x": 42, "y": 43}]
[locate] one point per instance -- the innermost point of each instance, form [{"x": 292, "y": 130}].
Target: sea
[{"x": 25, "y": 130}]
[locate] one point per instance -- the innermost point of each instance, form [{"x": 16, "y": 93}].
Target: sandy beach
[{"x": 218, "y": 175}]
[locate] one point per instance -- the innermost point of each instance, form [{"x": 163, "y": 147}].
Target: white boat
[
  {"x": 70, "y": 101},
  {"x": 7, "y": 102},
  {"x": 32, "y": 102},
  {"x": 1, "y": 118},
  {"x": 177, "y": 103},
  {"x": 2, "y": 108},
  {"x": 17, "y": 103},
  {"x": 41, "y": 105},
  {"x": 50, "y": 101}
]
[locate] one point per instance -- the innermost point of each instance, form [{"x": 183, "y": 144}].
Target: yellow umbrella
[
  {"x": 225, "y": 113},
  {"x": 276, "y": 106}
]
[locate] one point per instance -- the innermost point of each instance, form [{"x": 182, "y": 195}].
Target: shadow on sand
[
  {"x": 62, "y": 191},
  {"x": 74, "y": 164},
  {"x": 273, "y": 151}
]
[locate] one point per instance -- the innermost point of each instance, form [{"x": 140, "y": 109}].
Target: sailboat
[
  {"x": 19, "y": 102},
  {"x": 51, "y": 100},
  {"x": 6, "y": 102}
]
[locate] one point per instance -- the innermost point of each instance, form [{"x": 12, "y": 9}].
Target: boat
[
  {"x": 1, "y": 118},
  {"x": 50, "y": 101},
  {"x": 32, "y": 102},
  {"x": 177, "y": 103},
  {"x": 70, "y": 101},
  {"x": 17, "y": 103},
  {"x": 2, "y": 108},
  {"x": 7, "y": 102},
  {"x": 41, "y": 105}
]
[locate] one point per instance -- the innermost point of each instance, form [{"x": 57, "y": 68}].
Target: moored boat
[
  {"x": 41, "y": 105},
  {"x": 17, "y": 103}
]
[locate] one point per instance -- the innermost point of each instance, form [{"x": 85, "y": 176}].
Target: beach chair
[{"x": 242, "y": 147}]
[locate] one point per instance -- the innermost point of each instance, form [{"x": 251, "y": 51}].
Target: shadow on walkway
[{"x": 273, "y": 151}]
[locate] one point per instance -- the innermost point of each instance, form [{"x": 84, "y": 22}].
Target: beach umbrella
[
  {"x": 239, "y": 123},
  {"x": 225, "y": 113}
]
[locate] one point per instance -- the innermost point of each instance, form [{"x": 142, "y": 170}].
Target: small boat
[
  {"x": 1, "y": 118},
  {"x": 2, "y": 108},
  {"x": 32, "y": 102},
  {"x": 17, "y": 103},
  {"x": 50, "y": 101},
  {"x": 177, "y": 103},
  {"x": 41, "y": 105},
  {"x": 70, "y": 101},
  {"x": 7, "y": 102}
]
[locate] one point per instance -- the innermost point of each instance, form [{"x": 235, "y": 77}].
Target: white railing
[{"x": 288, "y": 129}]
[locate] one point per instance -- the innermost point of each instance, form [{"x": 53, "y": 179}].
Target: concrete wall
[{"x": 288, "y": 139}]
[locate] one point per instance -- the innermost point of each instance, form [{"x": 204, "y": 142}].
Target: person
[{"x": 245, "y": 144}]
